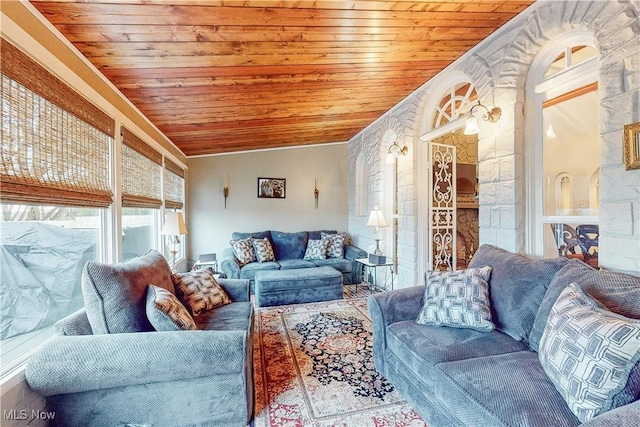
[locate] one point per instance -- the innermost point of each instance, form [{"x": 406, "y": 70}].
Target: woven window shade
[
  {"x": 141, "y": 169},
  {"x": 173, "y": 185},
  {"x": 49, "y": 155},
  {"x": 22, "y": 69}
]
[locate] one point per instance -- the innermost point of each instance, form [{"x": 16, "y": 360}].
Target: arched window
[{"x": 563, "y": 139}]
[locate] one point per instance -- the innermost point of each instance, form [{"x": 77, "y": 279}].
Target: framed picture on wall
[{"x": 272, "y": 188}]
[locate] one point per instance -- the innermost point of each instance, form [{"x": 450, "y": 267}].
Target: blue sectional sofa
[
  {"x": 289, "y": 250},
  {"x": 457, "y": 376}
]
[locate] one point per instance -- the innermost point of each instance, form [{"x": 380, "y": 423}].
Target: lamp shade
[
  {"x": 376, "y": 219},
  {"x": 174, "y": 224},
  {"x": 471, "y": 127}
]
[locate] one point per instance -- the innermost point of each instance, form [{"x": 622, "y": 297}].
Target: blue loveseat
[
  {"x": 289, "y": 250},
  {"x": 457, "y": 376}
]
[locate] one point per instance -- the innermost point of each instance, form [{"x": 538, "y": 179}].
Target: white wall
[{"x": 210, "y": 225}]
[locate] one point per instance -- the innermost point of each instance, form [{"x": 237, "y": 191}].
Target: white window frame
[{"x": 572, "y": 77}]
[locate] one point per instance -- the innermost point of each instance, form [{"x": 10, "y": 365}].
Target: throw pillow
[
  {"x": 263, "y": 250},
  {"x": 243, "y": 250},
  {"x": 316, "y": 249},
  {"x": 459, "y": 299},
  {"x": 335, "y": 249},
  {"x": 166, "y": 312},
  {"x": 199, "y": 291},
  {"x": 518, "y": 284},
  {"x": 115, "y": 294},
  {"x": 588, "y": 353}
]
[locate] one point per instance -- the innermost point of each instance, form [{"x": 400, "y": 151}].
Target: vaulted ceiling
[{"x": 233, "y": 75}]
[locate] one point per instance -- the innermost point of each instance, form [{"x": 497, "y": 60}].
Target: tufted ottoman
[{"x": 294, "y": 286}]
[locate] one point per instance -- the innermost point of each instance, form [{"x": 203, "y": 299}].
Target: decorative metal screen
[{"x": 442, "y": 209}]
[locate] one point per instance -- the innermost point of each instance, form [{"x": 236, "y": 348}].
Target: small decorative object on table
[{"x": 206, "y": 260}]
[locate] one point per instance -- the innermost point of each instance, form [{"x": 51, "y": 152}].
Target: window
[
  {"x": 173, "y": 201},
  {"x": 55, "y": 191},
  {"x": 566, "y": 151},
  {"x": 141, "y": 195}
]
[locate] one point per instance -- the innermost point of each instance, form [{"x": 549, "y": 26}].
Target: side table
[{"x": 370, "y": 268}]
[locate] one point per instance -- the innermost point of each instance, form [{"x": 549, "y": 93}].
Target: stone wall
[{"x": 498, "y": 69}]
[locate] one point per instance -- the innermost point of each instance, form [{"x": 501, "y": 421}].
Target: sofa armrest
[
  {"x": 352, "y": 252},
  {"x": 624, "y": 416},
  {"x": 390, "y": 307},
  {"x": 76, "y": 323},
  {"x": 73, "y": 364},
  {"x": 229, "y": 264},
  {"x": 237, "y": 289}
]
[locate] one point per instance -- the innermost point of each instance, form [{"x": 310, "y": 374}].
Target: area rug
[{"x": 314, "y": 367}]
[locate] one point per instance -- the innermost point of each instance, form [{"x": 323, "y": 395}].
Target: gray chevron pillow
[{"x": 316, "y": 249}]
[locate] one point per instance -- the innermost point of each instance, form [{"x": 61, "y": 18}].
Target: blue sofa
[
  {"x": 200, "y": 377},
  {"x": 463, "y": 377},
  {"x": 289, "y": 250}
]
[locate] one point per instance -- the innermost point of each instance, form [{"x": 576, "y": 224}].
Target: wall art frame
[
  {"x": 631, "y": 148},
  {"x": 272, "y": 188}
]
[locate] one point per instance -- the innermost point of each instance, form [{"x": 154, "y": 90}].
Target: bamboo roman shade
[
  {"x": 141, "y": 173},
  {"x": 55, "y": 143},
  {"x": 173, "y": 185}
]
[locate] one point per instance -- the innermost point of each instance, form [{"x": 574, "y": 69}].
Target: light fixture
[
  {"x": 491, "y": 116},
  {"x": 376, "y": 220},
  {"x": 396, "y": 151},
  {"x": 550, "y": 132},
  {"x": 225, "y": 190},
  {"x": 316, "y": 193},
  {"x": 174, "y": 227}
]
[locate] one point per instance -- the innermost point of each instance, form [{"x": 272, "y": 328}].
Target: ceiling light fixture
[
  {"x": 395, "y": 151},
  {"x": 491, "y": 116}
]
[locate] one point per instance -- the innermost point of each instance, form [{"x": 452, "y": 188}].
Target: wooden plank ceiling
[{"x": 229, "y": 75}]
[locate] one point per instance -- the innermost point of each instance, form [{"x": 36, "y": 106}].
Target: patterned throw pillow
[
  {"x": 263, "y": 250},
  {"x": 165, "y": 312},
  {"x": 459, "y": 299},
  {"x": 335, "y": 249},
  {"x": 243, "y": 250},
  {"x": 316, "y": 249},
  {"x": 199, "y": 291},
  {"x": 588, "y": 353}
]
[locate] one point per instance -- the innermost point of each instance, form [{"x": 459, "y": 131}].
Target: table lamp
[
  {"x": 174, "y": 227},
  {"x": 376, "y": 220}
]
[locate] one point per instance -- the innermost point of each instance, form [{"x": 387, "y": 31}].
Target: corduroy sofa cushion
[
  {"x": 516, "y": 288},
  {"x": 115, "y": 294},
  {"x": 618, "y": 292}
]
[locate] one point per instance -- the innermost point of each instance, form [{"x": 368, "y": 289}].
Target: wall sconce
[
  {"x": 550, "y": 132},
  {"x": 491, "y": 116},
  {"x": 174, "y": 227},
  {"x": 316, "y": 193},
  {"x": 395, "y": 151},
  {"x": 225, "y": 190}
]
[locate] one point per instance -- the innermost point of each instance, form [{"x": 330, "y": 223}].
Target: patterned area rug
[{"x": 314, "y": 367}]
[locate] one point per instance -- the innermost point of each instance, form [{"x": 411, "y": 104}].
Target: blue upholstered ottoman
[{"x": 294, "y": 286}]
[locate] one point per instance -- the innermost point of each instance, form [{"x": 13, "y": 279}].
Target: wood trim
[{"x": 570, "y": 95}]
